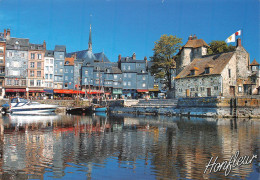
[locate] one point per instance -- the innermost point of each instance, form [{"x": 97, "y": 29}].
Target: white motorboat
[{"x": 23, "y": 106}]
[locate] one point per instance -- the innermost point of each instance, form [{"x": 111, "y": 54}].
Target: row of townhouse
[{"x": 28, "y": 69}]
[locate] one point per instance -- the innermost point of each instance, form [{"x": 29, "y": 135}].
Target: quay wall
[{"x": 226, "y": 107}]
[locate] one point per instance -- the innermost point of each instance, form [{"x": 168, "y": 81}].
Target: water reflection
[{"x": 122, "y": 147}]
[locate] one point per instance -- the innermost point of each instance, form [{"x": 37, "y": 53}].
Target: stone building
[
  {"x": 2, "y": 63},
  {"x": 36, "y": 76},
  {"x": 194, "y": 48},
  {"x": 224, "y": 74},
  {"x": 254, "y": 79},
  {"x": 16, "y": 63}
]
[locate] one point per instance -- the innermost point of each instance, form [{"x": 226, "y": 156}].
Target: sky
[{"x": 128, "y": 26}]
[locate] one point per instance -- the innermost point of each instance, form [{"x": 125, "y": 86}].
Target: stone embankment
[{"x": 221, "y": 107}]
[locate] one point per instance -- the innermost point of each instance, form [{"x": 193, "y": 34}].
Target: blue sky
[{"x": 127, "y": 26}]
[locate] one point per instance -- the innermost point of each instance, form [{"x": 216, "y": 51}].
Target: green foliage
[
  {"x": 164, "y": 56},
  {"x": 219, "y": 47}
]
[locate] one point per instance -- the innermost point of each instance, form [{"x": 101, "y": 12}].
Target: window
[
  {"x": 215, "y": 87},
  {"x": 46, "y": 76},
  {"x": 47, "y": 68},
  {"x": 67, "y": 62},
  {"x": 61, "y": 70},
  {"x": 38, "y": 83},
  {"x": 23, "y": 82},
  {"x": 229, "y": 73},
  {"x": 56, "y": 70},
  {"x": 66, "y": 78},
  {"x": 129, "y": 75},
  {"x": 85, "y": 80},
  {"x": 206, "y": 70},
  {"x": 32, "y": 56},
  {"x": 56, "y": 78},
  {"x": 129, "y": 68},
  {"x": 129, "y": 83},
  {"x": 201, "y": 88},
  {"x": 115, "y": 76},
  {"x": 39, "y": 73},
  {"x": 16, "y": 82},
  {"x": 71, "y": 71},
  {"x": 1, "y": 49},
  {"x": 125, "y": 75},
  {"x": 32, "y": 73},
  {"x": 97, "y": 75},
  {"x": 16, "y": 64},
  {"x": 66, "y": 70},
  {"x": 192, "y": 89},
  {"x": 51, "y": 61},
  {"x": 192, "y": 72},
  {"x": 16, "y": 73},
  {"x": 22, "y": 54},
  {"x": 31, "y": 82},
  {"x": 39, "y": 56},
  {"x": 31, "y": 64},
  {"x": 51, "y": 76},
  {"x": 239, "y": 88},
  {"x": 143, "y": 77},
  {"x": 10, "y": 54},
  {"x": 123, "y": 67},
  {"x": 46, "y": 61},
  {"x": 66, "y": 85},
  {"x": 124, "y": 83},
  {"x": 9, "y": 82},
  {"x": 115, "y": 83},
  {"x": 60, "y": 56},
  {"x": 39, "y": 65},
  {"x": 60, "y": 63},
  {"x": 144, "y": 84}
]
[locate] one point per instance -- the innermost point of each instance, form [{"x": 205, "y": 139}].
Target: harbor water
[{"x": 124, "y": 147}]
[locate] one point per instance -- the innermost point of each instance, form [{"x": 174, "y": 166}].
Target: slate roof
[
  {"x": 254, "y": 63},
  {"x": 49, "y": 53},
  {"x": 130, "y": 60},
  {"x": 13, "y": 43},
  {"x": 36, "y": 47},
  {"x": 60, "y": 48},
  {"x": 114, "y": 70},
  {"x": 103, "y": 65},
  {"x": 2, "y": 37},
  {"x": 89, "y": 57},
  {"x": 217, "y": 63}
]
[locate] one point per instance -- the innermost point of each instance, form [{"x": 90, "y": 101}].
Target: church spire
[{"x": 90, "y": 40}]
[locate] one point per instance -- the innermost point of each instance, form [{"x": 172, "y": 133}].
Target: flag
[
  {"x": 231, "y": 38},
  {"x": 238, "y": 33}
]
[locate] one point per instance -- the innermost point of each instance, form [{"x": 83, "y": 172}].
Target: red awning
[
  {"x": 15, "y": 90},
  {"x": 63, "y": 91},
  {"x": 95, "y": 92},
  {"x": 80, "y": 92},
  {"x": 39, "y": 91},
  {"x": 142, "y": 90}
]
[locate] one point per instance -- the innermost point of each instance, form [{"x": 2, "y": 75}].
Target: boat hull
[
  {"x": 100, "y": 109},
  {"x": 33, "y": 110}
]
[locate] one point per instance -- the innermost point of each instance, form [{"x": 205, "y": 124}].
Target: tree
[
  {"x": 164, "y": 56},
  {"x": 219, "y": 47}
]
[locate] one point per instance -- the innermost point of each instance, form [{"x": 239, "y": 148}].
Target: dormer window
[
  {"x": 67, "y": 62},
  {"x": 16, "y": 42},
  {"x": 207, "y": 70},
  {"x": 194, "y": 71}
]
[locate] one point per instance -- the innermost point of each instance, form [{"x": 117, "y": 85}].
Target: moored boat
[{"x": 23, "y": 106}]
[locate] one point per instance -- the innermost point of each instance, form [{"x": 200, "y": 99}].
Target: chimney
[
  {"x": 4, "y": 33},
  {"x": 44, "y": 45},
  {"x": 8, "y": 34},
  {"x": 190, "y": 37},
  {"x": 239, "y": 42},
  {"x": 194, "y": 36},
  {"x": 119, "y": 57},
  {"x": 134, "y": 56},
  {"x": 145, "y": 58}
]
